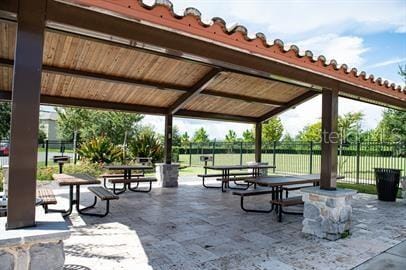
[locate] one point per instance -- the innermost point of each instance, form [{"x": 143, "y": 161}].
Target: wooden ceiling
[{"x": 87, "y": 69}]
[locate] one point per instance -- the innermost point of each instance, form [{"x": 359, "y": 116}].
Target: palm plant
[
  {"x": 146, "y": 144},
  {"x": 100, "y": 150}
]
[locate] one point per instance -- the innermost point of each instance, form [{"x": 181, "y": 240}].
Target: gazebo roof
[{"x": 128, "y": 56}]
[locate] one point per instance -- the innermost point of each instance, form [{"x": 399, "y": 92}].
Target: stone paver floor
[{"x": 191, "y": 227}]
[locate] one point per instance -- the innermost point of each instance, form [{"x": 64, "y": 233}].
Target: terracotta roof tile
[{"x": 217, "y": 30}]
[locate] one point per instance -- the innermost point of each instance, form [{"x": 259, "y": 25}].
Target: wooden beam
[
  {"x": 195, "y": 91},
  {"x": 294, "y": 102},
  {"x": 243, "y": 98},
  {"x": 102, "y": 77},
  {"x": 215, "y": 116},
  {"x": 168, "y": 138},
  {"x": 25, "y": 114},
  {"x": 258, "y": 142},
  {"x": 92, "y": 104},
  {"x": 329, "y": 139}
]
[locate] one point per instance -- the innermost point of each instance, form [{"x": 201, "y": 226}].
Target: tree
[
  {"x": 71, "y": 121},
  {"x": 272, "y": 130},
  {"x": 349, "y": 126},
  {"x": 5, "y": 116},
  {"x": 248, "y": 136},
  {"x": 311, "y": 132},
  {"x": 392, "y": 127},
  {"x": 117, "y": 126},
  {"x": 200, "y": 136},
  {"x": 176, "y": 137},
  {"x": 184, "y": 140},
  {"x": 231, "y": 137}
]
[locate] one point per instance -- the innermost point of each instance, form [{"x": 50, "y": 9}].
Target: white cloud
[
  {"x": 396, "y": 60},
  {"x": 295, "y": 19},
  {"x": 344, "y": 49}
]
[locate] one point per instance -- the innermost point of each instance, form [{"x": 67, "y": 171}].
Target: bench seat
[
  {"x": 252, "y": 192},
  {"x": 220, "y": 175},
  {"x": 104, "y": 195},
  {"x": 47, "y": 196},
  {"x": 280, "y": 203},
  {"x": 249, "y": 193},
  {"x": 127, "y": 184},
  {"x": 132, "y": 180}
]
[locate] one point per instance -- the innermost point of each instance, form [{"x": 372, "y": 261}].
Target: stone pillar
[
  {"x": 327, "y": 213},
  {"x": 167, "y": 174},
  {"x": 36, "y": 248}
]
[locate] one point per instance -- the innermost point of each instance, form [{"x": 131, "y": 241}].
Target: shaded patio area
[{"x": 194, "y": 228}]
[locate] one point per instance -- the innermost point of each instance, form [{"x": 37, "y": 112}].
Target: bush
[
  {"x": 146, "y": 144},
  {"x": 100, "y": 150},
  {"x": 93, "y": 169}
]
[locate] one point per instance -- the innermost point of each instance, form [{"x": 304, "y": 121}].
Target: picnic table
[
  {"x": 276, "y": 185},
  {"x": 74, "y": 180},
  {"x": 128, "y": 169},
  {"x": 225, "y": 172}
]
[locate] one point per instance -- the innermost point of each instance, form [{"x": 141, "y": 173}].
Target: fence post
[
  {"x": 75, "y": 153},
  {"x": 46, "y": 152},
  {"x": 358, "y": 161},
  {"x": 190, "y": 155},
  {"x": 213, "y": 152},
  {"x": 311, "y": 157},
  {"x": 240, "y": 153},
  {"x": 274, "y": 156}
]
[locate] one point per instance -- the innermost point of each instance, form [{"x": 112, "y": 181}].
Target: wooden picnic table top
[
  {"x": 128, "y": 167},
  {"x": 277, "y": 181},
  {"x": 239, "y": 167},
  {"x": 76, "y": 179}
]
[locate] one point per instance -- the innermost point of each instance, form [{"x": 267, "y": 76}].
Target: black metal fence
[{"x": 355, "y": 161}]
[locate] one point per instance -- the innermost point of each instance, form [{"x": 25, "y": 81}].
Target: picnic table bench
[
  {"x": 217, "y": 175},
  {"x": 276, "y": 185},
  {"x": 104, "y": 195},
  {"x": 226, "y": 176},
  {"x": 127, "y": 184},
  {"x": 47, "y": 196}
]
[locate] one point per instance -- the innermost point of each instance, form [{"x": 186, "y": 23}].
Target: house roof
[{"x": 127, "y": 55}]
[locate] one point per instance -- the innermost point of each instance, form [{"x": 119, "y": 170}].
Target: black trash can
[{"x": 387, "y": 183}]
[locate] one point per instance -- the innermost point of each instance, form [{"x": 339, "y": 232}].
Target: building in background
[{"x": 47, "y": 123}]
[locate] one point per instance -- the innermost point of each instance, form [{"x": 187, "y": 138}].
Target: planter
[{"x": 387, "y": 183}]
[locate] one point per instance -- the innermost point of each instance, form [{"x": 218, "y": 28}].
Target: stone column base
[
  {"x": 34, "y": 248},
  {"x": 327, "y": 213},
  {"x": 167, "y": 174}
]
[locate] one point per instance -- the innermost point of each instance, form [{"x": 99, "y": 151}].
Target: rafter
[
  {"x": 196, "y": 90},
  {"x": 294, "y": 102}
]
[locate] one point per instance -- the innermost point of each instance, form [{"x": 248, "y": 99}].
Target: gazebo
[{"x": 129, "y": 56}]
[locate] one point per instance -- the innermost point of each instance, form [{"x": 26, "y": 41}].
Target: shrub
[
  {"x": 100, "y": 150},
  {"x": 146, "y": 144}
]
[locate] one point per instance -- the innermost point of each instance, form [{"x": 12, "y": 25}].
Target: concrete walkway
[{"x": 392, "y": 259}]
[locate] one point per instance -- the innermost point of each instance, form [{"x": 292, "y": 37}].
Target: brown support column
[
  {"x": 168, "y": 138},
  {"x": 330, "y": 138},
  {"x": 25, "y": 113},
  {"x": 258, "y": 141}
]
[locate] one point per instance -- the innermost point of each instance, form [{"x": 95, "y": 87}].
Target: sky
[{"x": 367, "y": 34}]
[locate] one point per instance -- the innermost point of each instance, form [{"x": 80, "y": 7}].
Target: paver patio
[{"x": 191, "y": 227}]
